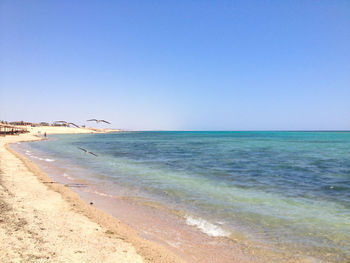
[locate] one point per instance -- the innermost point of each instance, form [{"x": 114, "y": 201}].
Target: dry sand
[
  {"x": 41, "y": 221},
  {"x": 65, "y": 130}
]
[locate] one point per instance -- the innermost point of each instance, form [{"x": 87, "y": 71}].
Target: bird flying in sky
[
  {"x": 86, "y": 151},
  {"x": 98, "y": 121}
]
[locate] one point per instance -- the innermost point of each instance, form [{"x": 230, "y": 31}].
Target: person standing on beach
[{"x": 45, "y": 134}]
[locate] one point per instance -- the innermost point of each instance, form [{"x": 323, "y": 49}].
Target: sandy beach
[
  {"x": 40, "y": 130},
  {"x": 41, "y": 221}
]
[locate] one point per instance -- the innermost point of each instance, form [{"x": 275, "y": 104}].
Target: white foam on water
[
  {"x": 39, "y": 158},
  {"x": 206, "y": 227},
  {"x": 35, "y": 157},
  {"x": 67, "y": 176},
  {"x": 102, "y": 194},
  {"x": 99, "y": 193}
]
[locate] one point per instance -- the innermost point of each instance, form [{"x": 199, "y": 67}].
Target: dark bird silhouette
[
  {"x": 67, "y": 123},
  {"x": 86, "y": 151},
  {"x": 98, "y": 121}
]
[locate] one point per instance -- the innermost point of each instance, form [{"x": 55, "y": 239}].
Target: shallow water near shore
[{"x": 289, "y": 191}]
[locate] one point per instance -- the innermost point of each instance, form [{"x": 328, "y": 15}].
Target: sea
[{"x": 280, "y": 191}]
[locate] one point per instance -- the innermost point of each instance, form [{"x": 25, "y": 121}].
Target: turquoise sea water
[{"x": 287, "y": 189}]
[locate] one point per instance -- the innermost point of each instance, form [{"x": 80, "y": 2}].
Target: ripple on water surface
[{"x": 283, "y": 188}]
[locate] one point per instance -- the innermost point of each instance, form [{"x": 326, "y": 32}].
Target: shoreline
[
  {"x": 144, "y": 250},
  {"x": 153, "y": 248}
]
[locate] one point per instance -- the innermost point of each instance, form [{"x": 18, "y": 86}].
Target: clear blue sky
[{"x": 177, "y": 65}]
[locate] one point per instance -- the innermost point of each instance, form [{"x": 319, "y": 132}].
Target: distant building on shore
[
  {"x": 23, "y": 123},
  {"x": 32, "y": 124}
]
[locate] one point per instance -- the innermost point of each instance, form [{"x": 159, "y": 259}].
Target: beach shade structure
[
  {"x": 11, "y": 130},
  {"x": 86, "y": 151},
  {"x": 67, "y": 123},
  {"x": 98, "y": 121}
]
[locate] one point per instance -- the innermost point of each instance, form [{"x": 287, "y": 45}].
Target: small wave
[
  {"x": 102, "y": 194},
  {"x": 206, "y": 227},
  {"x": 67, "y": 176},
  {"x": 35, "y": 157},
  {"x": 39, "y": 158},
  {"x": 99, "y": 193}
]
